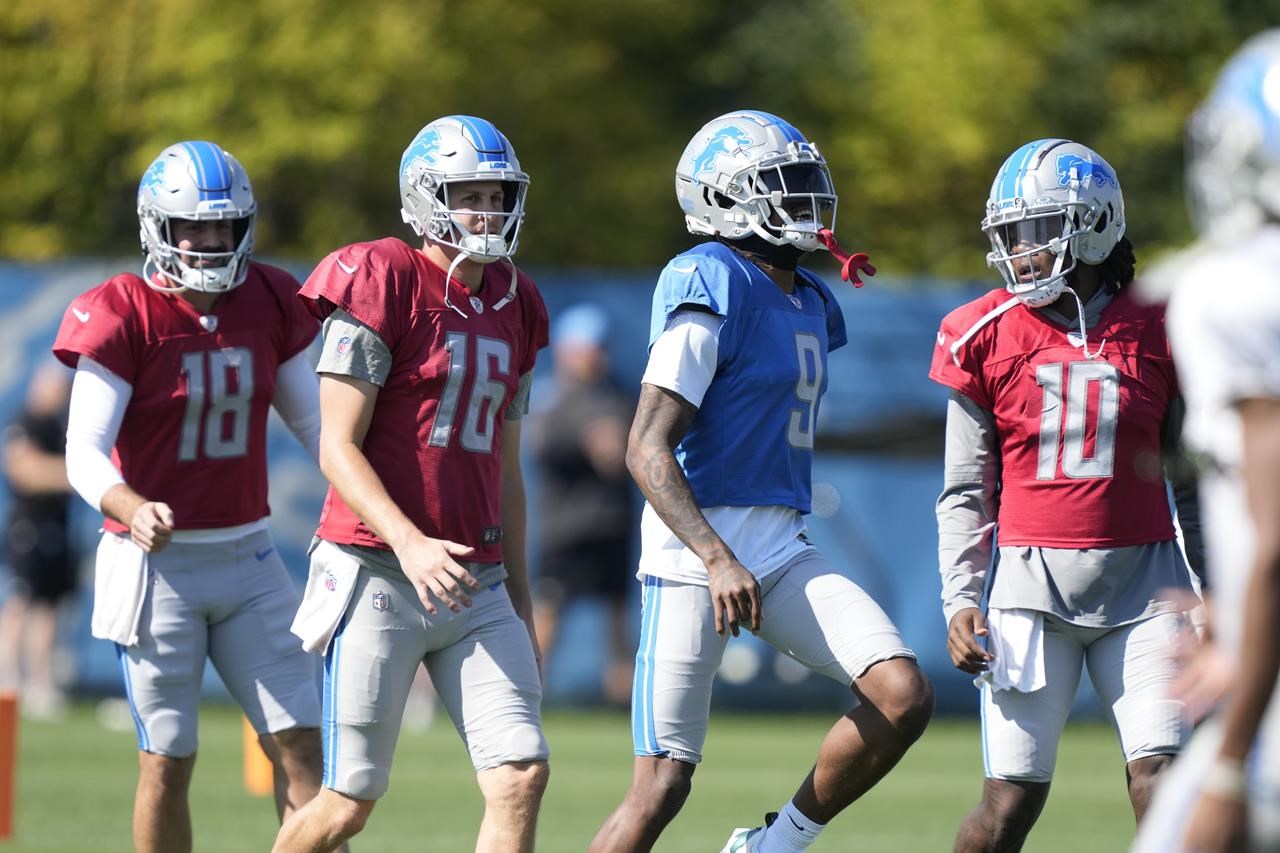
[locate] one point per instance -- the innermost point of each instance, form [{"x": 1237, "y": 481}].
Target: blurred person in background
[
  {"x": 419, "y": 557},
  {"x": 722, "y": 447},
  {"x": 1223, "y": 794},
  {"x": 585, "y": 503},
  {"x": 175, "y": 373},
  {"x": 37, "y": 542},
  {"x": 1064, "y": 405}
]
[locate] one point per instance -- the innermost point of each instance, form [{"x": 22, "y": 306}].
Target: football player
[
  {"x": 175, "y": 372},
  {"x": 420, "y": 554},
  {"x": 1064, "y": 402},
  {"x": 722, "y": 447},
  {"x": 1224, "y": 323}
]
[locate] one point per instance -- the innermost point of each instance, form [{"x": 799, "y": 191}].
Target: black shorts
[
  {"x": 595, "y": 568},
  {"x": 44, "y": 568}
]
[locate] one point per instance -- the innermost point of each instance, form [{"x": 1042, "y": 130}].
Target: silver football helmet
[
  {"x": 197, "y": 181},
  {"x": 1233, "y": 143},
  {"x": 1057, "y": 196},
  {"x": 450, "y": 151},
  {"x": 749, "y": 172}
]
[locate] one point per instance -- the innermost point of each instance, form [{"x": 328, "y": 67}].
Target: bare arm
[
  {"x": 1260, "y": 656},
  {"x": 346, "y": 409},
  {"x": 514, "y": 526},
  {"x": 662, "y": 419}
]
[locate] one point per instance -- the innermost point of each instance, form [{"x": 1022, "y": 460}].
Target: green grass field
[{"x": 75, "y": 788}]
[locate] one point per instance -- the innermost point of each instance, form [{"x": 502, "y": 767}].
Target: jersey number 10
[{"x": 1080, "y": 375}]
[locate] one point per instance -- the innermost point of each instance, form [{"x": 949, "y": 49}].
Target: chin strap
[
  {"x": 1084, "y": 337},
  {"x": 852, "y": 264},
  {"x": 497, "y": 306}
]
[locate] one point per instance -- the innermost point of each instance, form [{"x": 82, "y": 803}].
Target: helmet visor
[
  {"x": 807, "y": 196},
  {"x": 1028, "y": 235}
]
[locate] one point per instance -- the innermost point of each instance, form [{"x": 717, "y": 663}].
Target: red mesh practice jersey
[
  {"x": 1079, "y": 438},
  {"x": 194, "y": 434},
  {"x": 435, "y": 438}
]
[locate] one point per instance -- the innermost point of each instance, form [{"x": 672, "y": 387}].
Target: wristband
[{"x": 1226, "y": 780}]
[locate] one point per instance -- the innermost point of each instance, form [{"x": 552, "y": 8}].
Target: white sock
[{"x": 792, "y": 831}]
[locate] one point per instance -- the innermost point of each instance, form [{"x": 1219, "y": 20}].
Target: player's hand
[
  {"x": 1205, "y": 675},
  {"x": 962, "y": 641},
  {"x": 1218, "y": 825},
  {"x": 735, "y": 595},
  {"x": 430, "y": 566},
  {"x": 151, "y": 526}
]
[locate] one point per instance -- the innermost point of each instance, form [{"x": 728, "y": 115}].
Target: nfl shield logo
[
  {"x": 381, "y": 601},
  {"x": 330, "y": 582},
  {"x": 477, "y": 305}
]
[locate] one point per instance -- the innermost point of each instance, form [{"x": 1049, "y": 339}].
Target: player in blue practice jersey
[{"x": 722, "y": 446}]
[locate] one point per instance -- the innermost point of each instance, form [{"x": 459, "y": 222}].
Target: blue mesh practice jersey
[{"x": 751, "y": 443}]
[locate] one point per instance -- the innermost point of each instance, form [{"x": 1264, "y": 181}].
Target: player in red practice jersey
[
  {"x": 175, "y": 373},
  {"x": 1063, "y": 399},
  {"x": 420, "y": 556}
]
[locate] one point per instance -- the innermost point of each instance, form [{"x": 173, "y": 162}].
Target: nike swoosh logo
[
  {"x": 262, "y": 555},
  {"x": 684, "y": 270},
  {"x": 793, "y": 823},
  {"x": 346, "y": 269},
  {"x": 82, "y": 316}
]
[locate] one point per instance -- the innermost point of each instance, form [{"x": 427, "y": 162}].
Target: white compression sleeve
[
  {"x": 297, "y": 401},
  {"x": 683, "y": 358},
  {"x": 98, "y": 401}
]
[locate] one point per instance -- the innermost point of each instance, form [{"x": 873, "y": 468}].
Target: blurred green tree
[{"x": 914, "y": 102}]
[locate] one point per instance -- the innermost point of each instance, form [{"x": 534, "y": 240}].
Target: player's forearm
[
  {"x": 514, "y": 528},
  {"x": 1259, "y": 659},
  {"x": 121, "y": 502},
  {"x": 665, "y": 487},
  {"x": 348, "y": 470}
]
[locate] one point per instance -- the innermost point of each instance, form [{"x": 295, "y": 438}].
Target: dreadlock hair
[{"x": 1116, "y": 271}]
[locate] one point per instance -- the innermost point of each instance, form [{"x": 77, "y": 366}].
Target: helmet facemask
[
  {"x": 1019, "y": 245},
  {"x": 784, "y": 203},
  {"x": 222, "y": 271}
]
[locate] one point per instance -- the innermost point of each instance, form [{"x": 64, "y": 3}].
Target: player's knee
[
  {"x": 518, "y": 786},
  {"x": 347, "y": 816},
  {"x": 1013, "y": 806},
  {"x": 297, "y": 751},
  {"x": 167, "y": 772},
  {"x": 664, "y": 791},
  {"x": 905, "y": 697}
]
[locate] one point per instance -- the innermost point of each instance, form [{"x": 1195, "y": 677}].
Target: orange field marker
[
  {"x": 8, "y": 760},
  {"x": 258, "y": 770}
]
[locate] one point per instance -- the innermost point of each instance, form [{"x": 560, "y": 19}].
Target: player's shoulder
[
  {"x": 118, "y": 295},
  {"x": 962, "y": 319},
  {"x": 380, "y": 259},
  {"x": 277, "y": 279},
  {"x": 707, "y": 274}
]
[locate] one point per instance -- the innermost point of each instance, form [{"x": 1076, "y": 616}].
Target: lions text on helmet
[
  {"x": 196, "y": 211},
  {"x": 462, "y": 190}
]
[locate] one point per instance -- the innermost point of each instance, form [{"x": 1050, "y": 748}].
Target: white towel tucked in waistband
[
  {"x": 330, "y": 583},
  {"x": 119, "y": 589},
  {"x": 1017, "y": 641}
]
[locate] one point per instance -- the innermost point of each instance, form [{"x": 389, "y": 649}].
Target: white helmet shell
[
  {"x": 457, "y": 149},
  {"x": 750, "y": 172},
  {"x": 1233, "y": 144},
  {"x": 196, "y": 181},
  {"x": 1051, "y": 195}
]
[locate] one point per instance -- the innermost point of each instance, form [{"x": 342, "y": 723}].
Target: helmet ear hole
[
  {"x": 1102, "y": 221},
  {"x": 721, "y": 201}
]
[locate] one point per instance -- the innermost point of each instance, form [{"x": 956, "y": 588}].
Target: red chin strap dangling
[{"x": 855, "y": 263}]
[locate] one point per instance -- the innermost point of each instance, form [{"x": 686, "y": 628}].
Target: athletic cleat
[{"x": 740, "y": 840}]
